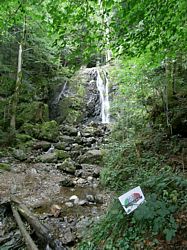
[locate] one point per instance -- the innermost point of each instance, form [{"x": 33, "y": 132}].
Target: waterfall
[
  {"x": 61, "y": 93},
  {"x": 102, "y": 85}
]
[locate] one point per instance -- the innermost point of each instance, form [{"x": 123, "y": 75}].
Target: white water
[
  {"x": 102, "y": 85},
  {"x": 62, "y": 93}
]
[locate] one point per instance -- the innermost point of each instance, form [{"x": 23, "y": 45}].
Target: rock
[
  {"x": 61, "y": 154},
  {"x": 78, "y": 173},
  {"x": 82, "y": 226},
  {"x": 91, "y": 157},
  {"x": 19, "y": 154},
  {"x": 69, "y": 204},
  {"x": 74, "y": 198},
  {"x": 99, "y": 198},
  {"x": 44, "y": 145},
  {"x": 81, "y": 181},
  {"x": 5, "y": 167},
  {"x": 90, "y": 178},
  {"x": 68, "y": 236},
  {"x": 49, "y": 131},
  {"x": 49, "y": 157},
  {"x": 96, "y": 173},
  {"x": 83, "y": 202},
  {"x": 66, "y": 182},
  {"x": 55, "y": 210},
  {"x": 67, "y": 166},
  {"x": 30, "y": 129},
  {"x": 67, "y": 139},
  {"x": 60, "y": 145},
  {"x": 90, "y": 198}
]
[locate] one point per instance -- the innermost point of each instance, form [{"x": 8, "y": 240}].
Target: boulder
[
  {"x": 61, "y": 154},
  {"x": 66, "y": 182},
  {"x": 43, "y": 145},
  {"x": 49, "y": 131},
  {"x": 48, "y": 157},
  {"x": 93, "y": 156},
  {"x": 67, "y": 166},
  {"x": 60, "y": 145},
  {"x": 19, "y": 154}
]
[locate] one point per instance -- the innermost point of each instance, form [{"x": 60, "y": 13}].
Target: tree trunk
[{"x": 17, "y": 88}]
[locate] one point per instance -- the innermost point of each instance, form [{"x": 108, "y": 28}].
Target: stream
[{"x": 67, "y": 197}]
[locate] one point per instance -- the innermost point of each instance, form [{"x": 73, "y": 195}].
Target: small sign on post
[{"x": 132, "y": 199}]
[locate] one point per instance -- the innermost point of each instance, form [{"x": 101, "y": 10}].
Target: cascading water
[
  {"x": 62, "y": 93},
  {"x": 102, "y": 85}
]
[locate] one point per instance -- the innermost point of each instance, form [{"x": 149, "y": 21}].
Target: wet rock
[
  {"x": 19, "y": 154},
  {"x": 67, "y": 166},
  {"x": 91, "y": 157},
  {"x": 66, "y": 182},
  {"x": 48, "y": 157}
]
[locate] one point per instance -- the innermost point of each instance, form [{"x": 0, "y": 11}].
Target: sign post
[{"x": 132, "y": 199}]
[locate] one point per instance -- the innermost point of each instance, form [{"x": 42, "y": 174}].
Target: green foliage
[
  {"x": 5, "y": 167},
  {"x": 138, "y": 155}
]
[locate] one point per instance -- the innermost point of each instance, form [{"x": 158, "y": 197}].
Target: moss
[
  {"x": 49, "y": 131},
  {"x": 5, "y": 166},
  {"x": 23, "y": 138},
  {"x": 30, "y": 129},
  {"x": 33, "y": 112},
  {"x": 61, "y": 154},
  {"x": 71, "y": 110}
]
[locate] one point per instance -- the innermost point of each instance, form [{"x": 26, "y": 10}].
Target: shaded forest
[{"x": 93, "y": 103}]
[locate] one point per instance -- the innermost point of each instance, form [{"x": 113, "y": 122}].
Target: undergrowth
[{"x": 139, "y": 155}]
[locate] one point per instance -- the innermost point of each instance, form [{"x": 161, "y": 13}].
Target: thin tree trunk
[{"x": 17, "y": 88}]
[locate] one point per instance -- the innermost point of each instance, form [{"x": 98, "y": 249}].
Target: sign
[{"x": 132, "y": 199}]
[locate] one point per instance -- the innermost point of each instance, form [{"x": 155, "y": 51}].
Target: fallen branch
[
  {"x": 41, "y": 231},
  {"x": 28, "y": 240}
]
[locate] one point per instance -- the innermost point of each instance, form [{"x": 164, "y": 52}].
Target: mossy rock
[
  {"x": 60, "y": 145},
  {"x": 30, "y": 129},
  {"x": 49, "y": 131},
  {"x": 47, "y": 158},
  {"x": 67, "y": 166},
  {"x": 34, "y": 112},
  {"x": 61, "y": 154},
  {"x": 74, "y": 117},
  {"x": 71, "y": 110},
  {"x": 19, "y": 154},
  {"x": 23, "y": 138},
  {"x": 5, "y": 167}
]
